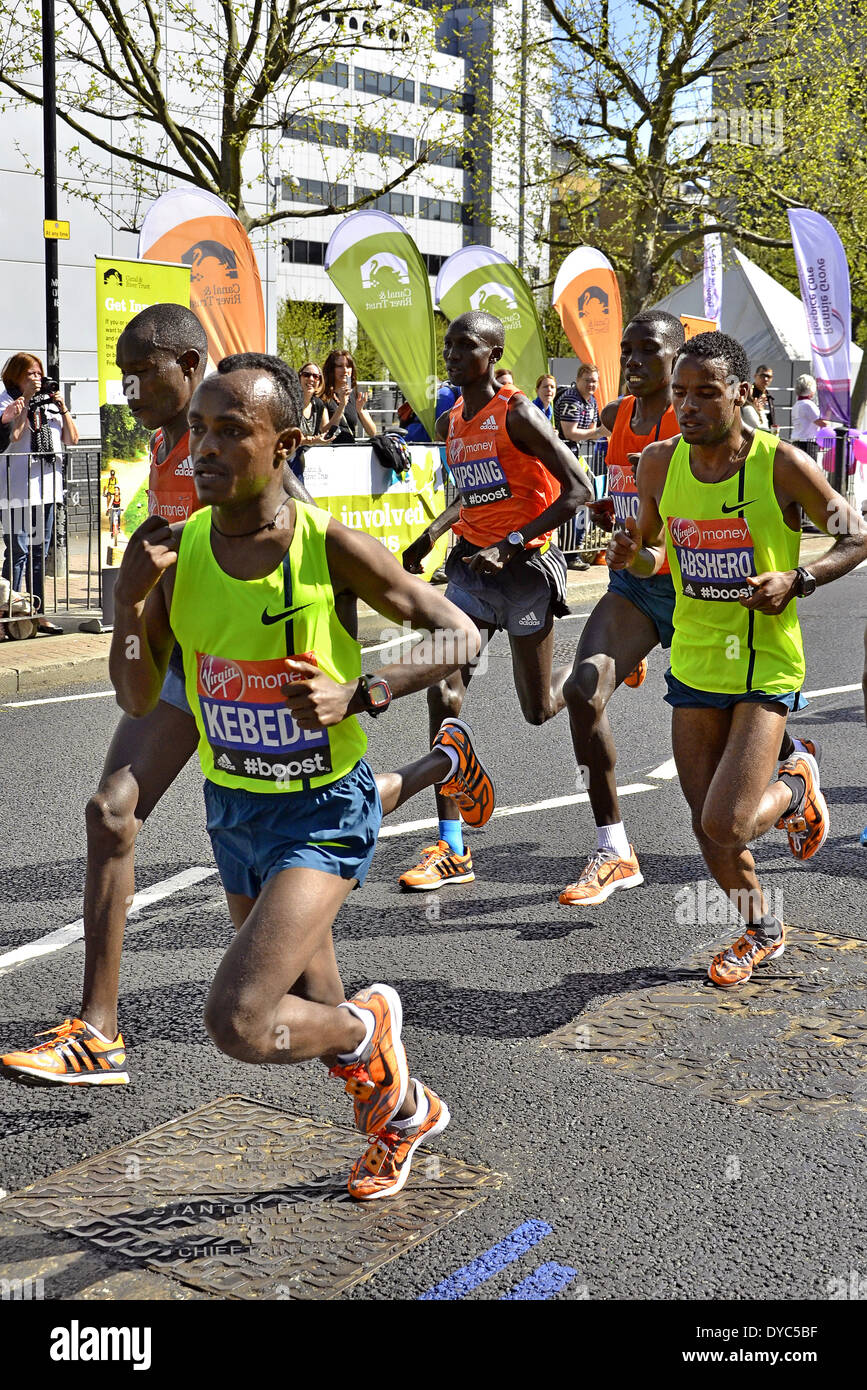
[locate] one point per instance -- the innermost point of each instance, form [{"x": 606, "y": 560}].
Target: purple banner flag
[
  {"x": 713, "y": 277},
  {"x": 824, "y": 276}
]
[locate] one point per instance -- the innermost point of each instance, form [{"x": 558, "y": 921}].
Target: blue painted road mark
[
  {"x": 464, "y": 1280},
  {"x": 543, "y": 1283}
]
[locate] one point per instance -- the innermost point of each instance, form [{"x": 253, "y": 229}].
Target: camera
[{"x": 42, "y": 399}]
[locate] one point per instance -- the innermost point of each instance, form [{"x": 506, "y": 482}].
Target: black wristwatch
[
  {"x": 375, "y": 695},
  {"x": 805, "y": 583}
]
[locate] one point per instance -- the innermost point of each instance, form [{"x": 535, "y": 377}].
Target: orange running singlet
[
  {"x": 171, "y": 491},
  {"x": 622, "y": 488},
  {"x": 501, "y": 488}
]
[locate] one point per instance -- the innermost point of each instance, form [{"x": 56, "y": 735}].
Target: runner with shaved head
[{"x": 517, "y": 483}]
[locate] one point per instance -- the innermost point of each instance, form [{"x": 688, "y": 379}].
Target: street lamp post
[{"x": 49, "y": 141}]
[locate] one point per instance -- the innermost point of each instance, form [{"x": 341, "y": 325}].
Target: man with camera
[{"x": 35, "y": 425}]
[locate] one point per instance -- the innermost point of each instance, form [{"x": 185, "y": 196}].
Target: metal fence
[{"x": 49, "y": 535}]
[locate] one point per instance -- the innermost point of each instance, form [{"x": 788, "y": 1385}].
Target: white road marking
[
  {"x": 832, "y": 690},
  {"x": 666, "y": 770},
  {"x": 393, "y": 642},
  {"x": 58, "y": 699},
  {"x": 63, "y": 936},
  {"x": 410, "y": 827}
]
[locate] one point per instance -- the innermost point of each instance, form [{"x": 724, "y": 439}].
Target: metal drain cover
[
  {"x": 794, "y": 1038},
  {"x": 245, "y": 1200}
]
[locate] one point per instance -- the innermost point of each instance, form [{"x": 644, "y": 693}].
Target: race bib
[
  {"x": 478, "y": 473},
  {"x": 623, "y": 492},
  {"x": 715, "y": 557},
  {"x": 247, "y": 725}
]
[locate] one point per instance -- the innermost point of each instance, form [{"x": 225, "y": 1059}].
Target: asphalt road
[{"x": 651, "y": 1191}]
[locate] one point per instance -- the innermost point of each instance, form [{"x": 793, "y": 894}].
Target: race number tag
[
  {"x": 715, "y": 557},
  {"x": 250, "y": 730}
]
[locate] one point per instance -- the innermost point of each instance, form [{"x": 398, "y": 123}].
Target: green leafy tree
[{"x": 305, "y": 331}]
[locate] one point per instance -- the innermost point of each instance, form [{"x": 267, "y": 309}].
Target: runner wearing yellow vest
[
  {"x": 722, "y": 502},
  {"x": 249, "y": 586}
]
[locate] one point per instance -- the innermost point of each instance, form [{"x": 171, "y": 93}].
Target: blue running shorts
[
  {"x": 680, "y": 695},
  {"x": 653, "y": 596},
  {"x": 256, "y": 834}
]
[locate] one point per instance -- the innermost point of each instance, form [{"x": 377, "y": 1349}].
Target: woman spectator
[
  {"x": 31, "y": 469},
  {"x": 805, "y": 416},
  {"x": 545, "y": 389},
  {"x": 504, "y": 377},
  {"x": 313, "y": 414},
  {"x": 758, "y": 412},
  {"x": 339, "y": 387}
]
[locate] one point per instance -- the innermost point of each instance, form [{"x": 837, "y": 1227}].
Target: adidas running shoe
[
  {"x": 438, "y": 865},
  {"x": 638, "y": 676},
  {"x": 735, "y": 965},
  {"x": 383, "y": 1170},
  {"x": 377, "y": 1082},
  {"x": 469, "y": 785},
  {"x": 603, "y": 874},
  {"x": 73, "y": 1056},
  {"x": 808, "y": 823}
]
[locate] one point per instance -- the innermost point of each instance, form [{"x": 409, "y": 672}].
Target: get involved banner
[
  {"x": 201, "y": 231},
  {"x": 823, "y": 272},
  {"x": 377, "y": 267},
  {"x": 587, "y": 298},
  {"x": 478, "y": 278}
]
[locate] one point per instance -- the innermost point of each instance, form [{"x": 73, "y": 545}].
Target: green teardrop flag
[
  {"x": 378, "y": 269},
  {"x": 478, "y": 278}
]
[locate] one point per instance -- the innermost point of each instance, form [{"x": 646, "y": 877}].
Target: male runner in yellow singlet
[{"x": 723, "y": 502}]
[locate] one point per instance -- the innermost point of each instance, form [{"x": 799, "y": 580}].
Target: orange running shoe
[
  {"x": 638, "y": 676},
  {"x": 383, "y": 1170},
  {"x": 73, "y": 1056},
  {"x": 438, "y": 865},
  {"x": 377, "y": 1082},
  {"x": 735, "y": 965},
  {"x": 808, "y": 823},
  {"x": 603, "y": 873},
  {"x": 470, "y": 784}
]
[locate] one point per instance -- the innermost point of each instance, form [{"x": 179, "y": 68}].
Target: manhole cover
[
  {"x": 793, "y": 1039},
  {"x": 245, "y": 1200}
]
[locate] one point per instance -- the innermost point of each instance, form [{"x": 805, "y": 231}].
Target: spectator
[
  {"x": 759, "y": 410},
  {"x": 504, "y": 377},
  {"x": 545, "y": 389},
  {"x": 37, "y": 433},
  {"x": 416, "y": 433},
  {"x": 113, "y": 514},
  {"x": 576, "y": 413},
  {"x": 313, "y": 414},
  {"x": 805, "y": 416},
  {"x": 339, "y": 386}
]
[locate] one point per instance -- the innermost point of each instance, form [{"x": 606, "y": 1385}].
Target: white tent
[{"x": 763, "y": 315}]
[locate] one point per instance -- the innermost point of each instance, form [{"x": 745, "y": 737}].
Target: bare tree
[{"x": 181, "y": 91}]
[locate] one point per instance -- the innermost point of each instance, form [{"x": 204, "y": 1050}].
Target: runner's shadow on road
[
  {"x": 850, "y": 714},
  {"x": 64, "y": 878},
  {"x": 488, "y": 1013},
  {"x": 35, "y": 1121}
]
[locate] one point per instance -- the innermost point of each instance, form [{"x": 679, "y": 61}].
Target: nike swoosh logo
[
  {"x": 737, "y": 507},
  {"x": 281, "y": 617}
]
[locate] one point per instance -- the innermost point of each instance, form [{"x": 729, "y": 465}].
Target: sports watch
[
  {"x": 375, "y": 695},
  {"x": 805, "y": 583},
  {"x": 515, "y": 538}
]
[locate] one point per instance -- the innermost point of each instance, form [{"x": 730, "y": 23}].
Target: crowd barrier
[{"x": 49, "y": 536}]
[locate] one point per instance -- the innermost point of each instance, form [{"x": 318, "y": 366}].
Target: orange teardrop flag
[
  {"x": 195, "y": 228},
  {"x": 587, "y": 298}
]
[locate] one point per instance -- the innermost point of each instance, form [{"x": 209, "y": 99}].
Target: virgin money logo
[
  {"x": 222, "y": 679},
  {"x": 685, "y": 533},
  {"x": 384, "y": 271},
  {"x": 618, "y": 479},
  {"x": 153, "y": 503},
  {"x": 457, "y": 450}
]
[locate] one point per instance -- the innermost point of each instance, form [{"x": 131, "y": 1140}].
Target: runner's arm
[
  {"x": 529, "y": 431},
  {"x": 640, "y": 545},
  {"x": 797, "y": 479},
  {"x": 608, "y": 414},
  {"x": 359, "y": 563},
  {"x": 798, "y": 483},
  {"x": 142, "y": 637},
  {"x": 424, "y": 543}
]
